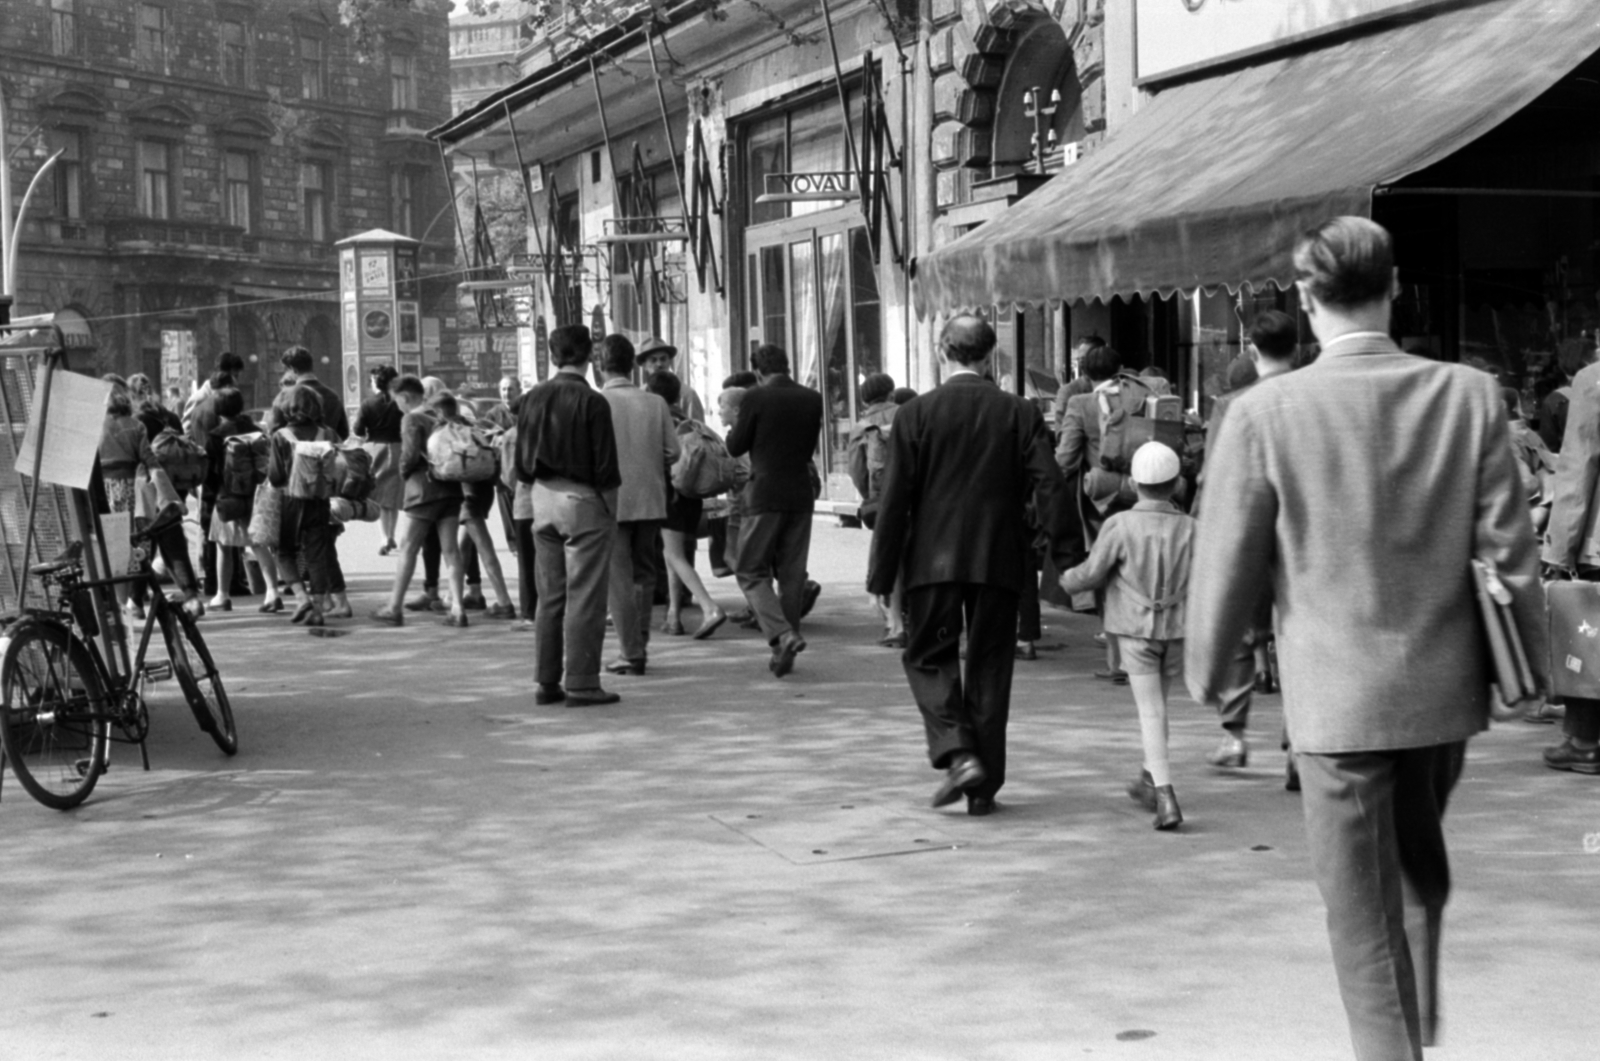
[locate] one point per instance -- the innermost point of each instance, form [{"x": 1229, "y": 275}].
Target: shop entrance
[{"x": 814, "y": 291}]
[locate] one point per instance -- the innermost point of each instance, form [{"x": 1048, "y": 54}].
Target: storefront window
[
  {"x": 868, "y": 306},
  {"x": 807, "y": 139}
]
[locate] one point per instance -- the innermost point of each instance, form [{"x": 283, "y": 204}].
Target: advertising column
[{"x": 379, "y": 299}]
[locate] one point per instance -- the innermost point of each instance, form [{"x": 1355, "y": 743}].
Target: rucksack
[
  {"x": 352, "y": 472},
  {"x": 310, "y": 467},
  {"x": 458, "y": 454},
  {"x": 183, "y": 459},
  {"x": 1129, "y": 419},
  {"x": 506, "y": 444},
  {"x": 868, "y": 456},
  {"x": 703, "y": 468},
  {"x": 244, "y": 467}
]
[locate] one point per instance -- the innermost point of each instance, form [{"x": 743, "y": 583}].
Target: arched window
[{"x": 1041, "y": 62}]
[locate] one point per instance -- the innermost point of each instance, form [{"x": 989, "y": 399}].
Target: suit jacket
[
  {"x": 964, "y": 460},
  {"x": 1573, "y": 536},
  {"x": 647, "y": 444},
  {"x": 779, "y": 424},
  {"x": 1359, "y": 489}
]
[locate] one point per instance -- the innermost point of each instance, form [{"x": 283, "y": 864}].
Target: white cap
[{"x": 1155, "y": 463}]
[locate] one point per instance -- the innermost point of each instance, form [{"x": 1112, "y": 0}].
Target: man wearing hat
[{"x": 658, "y": 355}]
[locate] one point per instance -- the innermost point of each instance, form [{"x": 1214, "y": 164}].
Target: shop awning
[{"x": 1211, "y": 181}]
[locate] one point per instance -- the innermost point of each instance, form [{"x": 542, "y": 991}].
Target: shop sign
[
  {"x": 1175, "y": 37},
  {"x": 178, "y": 367}
]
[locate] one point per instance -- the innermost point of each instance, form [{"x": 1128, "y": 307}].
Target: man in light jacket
[
  {"x": 1359, "y": 489},
  {"x": 646, "y": 446}
]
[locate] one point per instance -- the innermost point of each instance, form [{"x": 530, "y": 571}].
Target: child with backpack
[
  {"x": 239, "y": 476},
  {"x": 868, "y": 457},
  {"x": 430, "y": 504},
  {"x": 1142, "y": 559},
  {"x": 300, "y": 464},
  {"x": 477, "y": 469}
]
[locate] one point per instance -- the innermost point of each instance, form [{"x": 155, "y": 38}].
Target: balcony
[{"x": 151, "y": 236}]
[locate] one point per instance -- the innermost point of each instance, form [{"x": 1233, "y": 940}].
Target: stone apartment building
[{"x": 212, "y": 152}]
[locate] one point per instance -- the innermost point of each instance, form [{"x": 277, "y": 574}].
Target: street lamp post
[{"x": 11, "y": 230}]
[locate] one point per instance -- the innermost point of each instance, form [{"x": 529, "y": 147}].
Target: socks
[{"x": 1152, "y": 705}]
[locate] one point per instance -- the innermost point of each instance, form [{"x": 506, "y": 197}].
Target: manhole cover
[{"x": 837, "y": 833}]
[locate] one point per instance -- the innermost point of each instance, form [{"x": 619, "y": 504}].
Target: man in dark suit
[
  {"x": 964, "y": 460},
  {"x": 1359, "y": 489},
  {"x": 778, "y": 426}
]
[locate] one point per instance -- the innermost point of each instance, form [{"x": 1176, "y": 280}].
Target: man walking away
[
  {"x": 646, "y": 446},
  {"x": 1360, "y": 488},
  {"x": 567, "y": 450},
  {"x": 964, "y": 460},
  {"x": 779, "y": 423}
]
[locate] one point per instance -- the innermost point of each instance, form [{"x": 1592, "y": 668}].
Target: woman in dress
[
  {"x": 682, "y": 524},
  {"x": 378, "y": 426}
]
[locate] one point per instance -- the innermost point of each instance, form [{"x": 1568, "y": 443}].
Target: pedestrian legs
[{"x": 573, "y": 531}]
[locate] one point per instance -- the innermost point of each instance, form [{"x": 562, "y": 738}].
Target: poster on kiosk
[{"x": 379, "y": 302}]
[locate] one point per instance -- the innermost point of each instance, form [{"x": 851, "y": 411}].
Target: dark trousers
[
  {"x": 432, "y": 553},
  {"x": 527, "y": 579},
  {"x": 1583, "y": 719},
  {"x": 1374, "y": 822},
  {"x": 1239, "y": 684},
  {"x": 775, "y": 545},
  {"x": 632, "y": 584},
  {"x": 1030, "y": 619},
  {"x": 963, "y": 714}
]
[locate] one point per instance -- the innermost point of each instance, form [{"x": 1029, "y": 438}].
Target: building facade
[{"x": 210, "y": 154}]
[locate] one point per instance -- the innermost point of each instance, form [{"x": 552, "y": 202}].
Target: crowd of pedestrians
[{"x": 1326, "y": 517}]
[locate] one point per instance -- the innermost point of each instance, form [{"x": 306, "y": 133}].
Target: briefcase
[
  {"x": 1574, "y": 609},
  {"x": 1513, "y": 675}
]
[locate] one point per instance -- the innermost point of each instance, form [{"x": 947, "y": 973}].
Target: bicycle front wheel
[
  {"x": 53, "y": 719},
  {"x": 198, "y": 678}
]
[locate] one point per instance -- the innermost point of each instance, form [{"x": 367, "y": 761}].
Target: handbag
[
  {"x": 1513, "y": 675},
  {"x": 1574, "y": 611}
]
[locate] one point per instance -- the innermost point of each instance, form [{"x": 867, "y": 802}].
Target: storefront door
[{"x": 814, "y": 292}]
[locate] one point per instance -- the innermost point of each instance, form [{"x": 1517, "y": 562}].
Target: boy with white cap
[{"x": 1142, "y": 559}]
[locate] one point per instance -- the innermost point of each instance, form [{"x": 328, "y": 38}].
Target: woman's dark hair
[
  {"x": 1513, "y": 402},
  {"x": 667, "y": 385},
  {"x": 770, "y": 360},
  {"x": 616, "y": 355},
  {"x": 902, "y": 395},
  {"x": 383, "y": 375},
  {"x": 228, "y": 402},
  {"x": 304, "y": 406},
  {"x": 220, "y": 379},
  {"x": 877, "y": 388},
  {"x": 745, "y": 379},
  {"x": 297, "y": 359},
  {"x": 118, "y": 402},
  {"x": 230, "y": 362},
  {"x": 1100, "y": 363},
  {"x": 446, "y": 405}
]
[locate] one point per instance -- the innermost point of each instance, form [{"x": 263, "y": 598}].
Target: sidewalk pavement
[{"x": 408, "y": 859}]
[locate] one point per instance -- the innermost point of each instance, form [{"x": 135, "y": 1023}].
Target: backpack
[
  {"x": 1131, "y": 414},
  {"x": 458, "y": 454},
  {"x": 506, "y": 444},
  {"x": 703, "y": 468},
  {"x": 310, "y": 468},
  {"x": 353, "y": 479},
  {"x": 182, "y": 458},
  {"x": 868, "y": 456},
  {"x": 244, "y": 467}
]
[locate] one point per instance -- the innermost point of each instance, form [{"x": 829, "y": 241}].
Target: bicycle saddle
[{"x": 70, "y": 557}]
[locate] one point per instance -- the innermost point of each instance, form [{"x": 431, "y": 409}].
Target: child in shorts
[{"x": 1142, "y": 560}]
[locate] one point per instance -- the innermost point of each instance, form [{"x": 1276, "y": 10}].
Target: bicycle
[{"x": 58, "y": 697}]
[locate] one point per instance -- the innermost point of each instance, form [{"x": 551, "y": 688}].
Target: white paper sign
[
  {"x": 117, "y": 526},
  {"x": 72, "y": 429}
]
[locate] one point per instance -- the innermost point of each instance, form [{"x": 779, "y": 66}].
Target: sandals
[
  {"x": 709, "y": 625},
  {"x": 269, "y": 607},
  {"x": 306, "y": 608},
  {"x": 388, "y": 618}
]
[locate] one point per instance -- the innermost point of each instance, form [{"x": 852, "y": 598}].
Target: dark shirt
[
  {"x": 779, "y": 423},
  {"x": 156, "y": 418},
  {"x": 564, "y": 432},
  {"x": 379, "y": 419},
  {"x": 1553, "y": 417}
]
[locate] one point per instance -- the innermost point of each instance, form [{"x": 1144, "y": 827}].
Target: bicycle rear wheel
[
  {"x": 53, "y": 719},
  {"x": 198, "y": 678}
]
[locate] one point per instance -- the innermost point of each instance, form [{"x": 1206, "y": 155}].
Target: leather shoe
[
  {"x": 590, "y": 698},
  {"x": 549, "y": 693},
  {"x": 1546, "y": 713},
  {"x": 474, "y": 600},
  {"x": 1291, "y": 776},
  {"x": 1264, "y": 683},
  {"x": 964, "y": 771},
  {"x": 789, "y": 646},
  {"x": 1232, "y": 753},
  {"x": 808, "y": 597},
  {"x": 625, "y": 666},
  {"x": 1568, "y": 756},
  {"x": 1026, "y": 651},
  {"x": 980, "y": 806},
  {"x": 1115, "y": 677},
  {"x": 1143, "y": 791},
  {"x": 1168, "y": 816}
]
